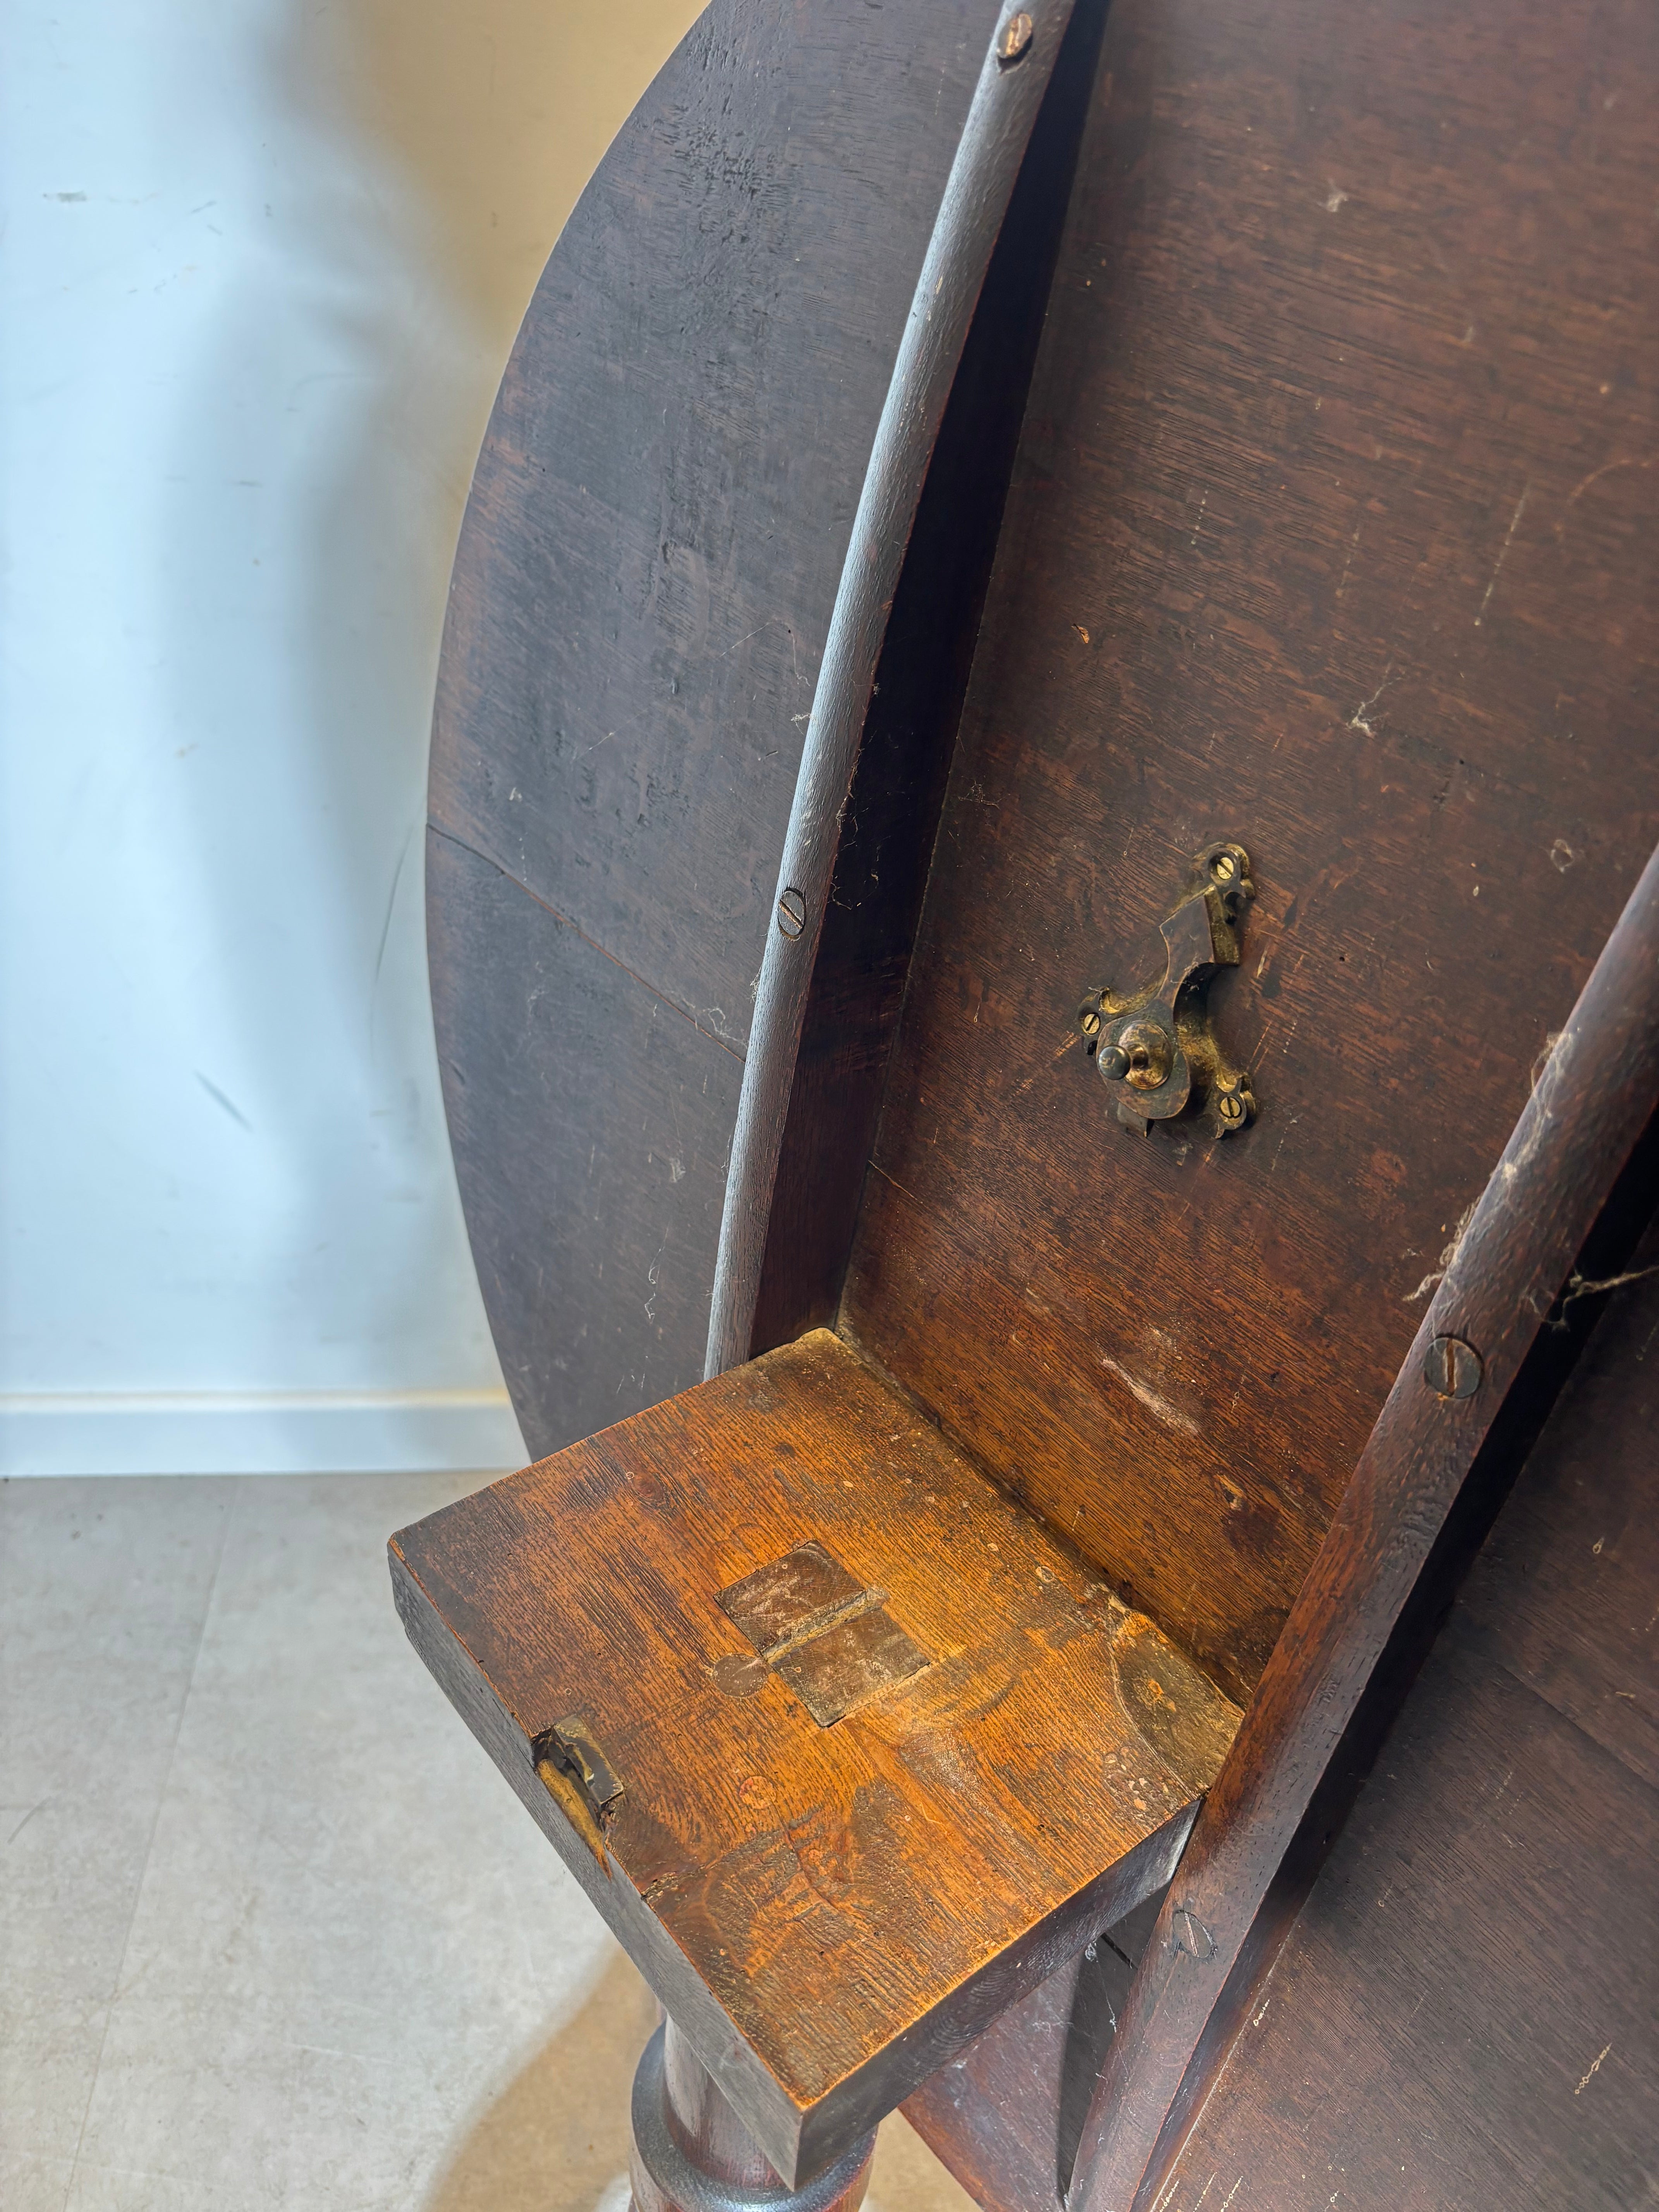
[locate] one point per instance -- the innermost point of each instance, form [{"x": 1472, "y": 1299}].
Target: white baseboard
[{"x": 257, "y": 1432}]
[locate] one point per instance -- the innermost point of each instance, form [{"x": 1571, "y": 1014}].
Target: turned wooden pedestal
[{"x": 692, "y": 2154}]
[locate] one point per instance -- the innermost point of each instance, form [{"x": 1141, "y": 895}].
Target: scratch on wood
[
  {"x": 1352, "y": 549},
  {"x": 1060, "y": 1053},
  {"x": 1504, "y": 550},
  {"x": 1356, "y": 721},
  {"x": 1596, "y": 2069},
  {"x": 1150, "y": 1399},
  {"x": 896, "y": 1184},
  {"x": 1596, "y": 475},
  {"x": 1285, "y": 1139}
]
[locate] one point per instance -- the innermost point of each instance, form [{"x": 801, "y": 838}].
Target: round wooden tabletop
[{"x": 643, "y": 584}]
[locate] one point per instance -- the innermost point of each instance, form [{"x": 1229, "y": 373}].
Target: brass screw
[
  {"x": 1188, "y": 1933},
  {"x": 792, "y": 914},
  {"x": 1451, "y": 1368},
  {"x": 1224, "y": 867},
  {"x": 1016, "y": 39},
  {"x": 1230, "y": 1107},
  {"x": 1090, "y": 1022}
]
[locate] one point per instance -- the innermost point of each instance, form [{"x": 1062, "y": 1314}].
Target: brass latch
[
  {"x": 1155, "y": 1052},
  {"x": 576, "y": 1772}
]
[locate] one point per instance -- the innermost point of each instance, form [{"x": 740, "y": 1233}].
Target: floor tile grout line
[{"x": 149, "y": 1841}]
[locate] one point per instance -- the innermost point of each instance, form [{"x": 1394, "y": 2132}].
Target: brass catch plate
[{"x": 1156, "y": 1051}]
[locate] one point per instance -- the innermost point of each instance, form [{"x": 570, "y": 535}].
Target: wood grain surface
[
  {"x": 1330, "y": 531},
  {"x": 1464, "y": 2014},
  {"x": 644, "y": 580},
  {"x": 1004, "y": 2122},
  {"x": 1007, "y": 2116},
  {"x": 828, "y": 1911},
  {"x": 998, "y": 207},
  {"x": 1566, "y": 1593},
  {"x": 1577, "y": 1171},
  {"x": 891, "y": 820},
  {"x": 568, "y": 1041}
]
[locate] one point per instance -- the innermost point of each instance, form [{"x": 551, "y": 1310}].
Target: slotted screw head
[
  {"x": 1188, "y": 1933},
  {"x": 792, "y": 914},
  {"x": 1230, "y": 1107},
  {"x": 1452, "y": 1369},
  {"x": 1016, "y": 38}
]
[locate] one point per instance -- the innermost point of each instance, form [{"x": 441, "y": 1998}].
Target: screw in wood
[
  {"x": 792, "y": 914},
  {"x": 1188, "y": 1933},
  {"x": 1451, "y": 1368},
  {"x": 1016, "y": 39}
]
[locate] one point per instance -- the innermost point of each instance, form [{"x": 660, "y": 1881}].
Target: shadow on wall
[{"x": 405, "y": 167}]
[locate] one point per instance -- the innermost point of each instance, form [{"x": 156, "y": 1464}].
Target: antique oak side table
[{"x": 1046, "y": 967}]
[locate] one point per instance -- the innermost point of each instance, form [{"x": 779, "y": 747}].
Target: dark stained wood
[
  {"x": 1595, "y": 1095},
  {"x": 1566, "y": 1593},
  {"x": 1563, "y": 1595},
  {"x": 892, "y": 814},
  {"x": 829, "y": 1913},
  {"x": 1464, "y": 2013},
  {"x": 826, "y": 1012},
  {"x": 1328, "y": 532},
  {"x": 543, "y": 1035},
  {"x": 690, "y": 2152},
  {"x": 1007, "y": 2116},
  {"x": 1476, "y": 1942},
  {"x": 1008, "y": 101},
  {"x": 639, "y": 605}
]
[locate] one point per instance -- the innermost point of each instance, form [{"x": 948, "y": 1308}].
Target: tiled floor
[{"x": 272, "y": 1931}]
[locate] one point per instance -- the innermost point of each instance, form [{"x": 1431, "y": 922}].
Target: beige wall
[{"x": 495, "y": 114}]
